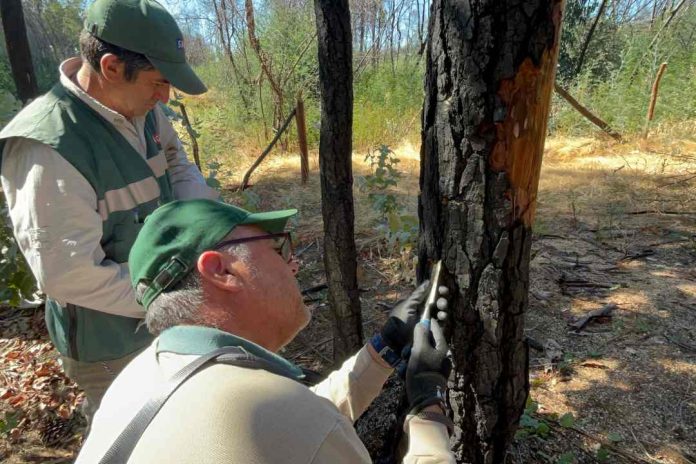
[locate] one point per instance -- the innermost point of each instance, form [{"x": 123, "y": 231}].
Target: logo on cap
[{"x": 179, "y": 44}]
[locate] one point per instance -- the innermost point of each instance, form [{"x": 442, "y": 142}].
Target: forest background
[{"x": 611, "y": 76}]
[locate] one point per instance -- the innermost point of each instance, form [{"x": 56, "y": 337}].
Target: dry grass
[{"x": 626, "y": 377}]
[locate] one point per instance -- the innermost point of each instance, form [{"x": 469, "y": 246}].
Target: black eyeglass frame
[{"x": 286, "y": 235}]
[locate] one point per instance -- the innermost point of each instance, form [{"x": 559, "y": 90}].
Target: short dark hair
[{"x": 93, "y": 49}]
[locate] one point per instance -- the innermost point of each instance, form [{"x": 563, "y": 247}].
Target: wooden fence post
[
  {"x": 653, "y": 99},
  {"x": 302, "y": 138}
]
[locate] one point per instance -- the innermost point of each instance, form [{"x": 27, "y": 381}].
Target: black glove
[
  {"x": 397, "y": 332},
  {"x": 428, "y": 368},
  {"x": 403, "y": 317}
]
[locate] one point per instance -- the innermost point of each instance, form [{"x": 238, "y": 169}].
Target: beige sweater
[{"x": 229, "y": 414}]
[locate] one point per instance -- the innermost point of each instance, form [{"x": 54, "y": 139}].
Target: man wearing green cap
[
  {"x": 83, "y": 165},
  {"x": 213, "y": 278}
]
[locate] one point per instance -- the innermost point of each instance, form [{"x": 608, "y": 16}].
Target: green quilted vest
[{"x": 128, "y": 189}]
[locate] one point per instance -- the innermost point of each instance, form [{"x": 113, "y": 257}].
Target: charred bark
[
  {"x": 489, "y": 77},
  {"x": 335, "y": 149}
]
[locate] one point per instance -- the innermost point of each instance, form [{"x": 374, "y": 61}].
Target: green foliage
[
  {"x": 567, "y": 420},
  {"x": 602, "y": 454},
  {"x": 383, "y": 161},
  {"x": 10, "y": 421},
  {"x": 530, "y": 424},
  {"x": 616, "y": 80},
  {"x": 9, "y": 106},
  {"x": 16, "y": 280},
  {"x": 53, "y": 28},
  {"x": 566, "y": 458},
  {"x": 212, "y": 178},
  {"x": 398, "y": 227},
  {"x": 249, "y": 200},
  {"x": 387, "y": 103}
]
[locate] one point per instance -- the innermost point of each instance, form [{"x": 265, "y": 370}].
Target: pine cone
[{"x": 55, "y": 430}]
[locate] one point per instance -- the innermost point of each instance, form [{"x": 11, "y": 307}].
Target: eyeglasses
[{"x": 282, "y": 243}]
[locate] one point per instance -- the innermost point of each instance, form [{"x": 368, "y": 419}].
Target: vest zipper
[{"x": 72, "y": 332}]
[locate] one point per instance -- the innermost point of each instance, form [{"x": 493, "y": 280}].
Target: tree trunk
[
  {"x": 335, "y": 149},
  {"x": 489, "y": 77},
  {"x": 585, "y": 44},
  {"x": 18, "y": 49}
]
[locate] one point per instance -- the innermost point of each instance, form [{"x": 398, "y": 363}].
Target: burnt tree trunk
[
  {"x": 489, "y": 77},
  {"x": 18, "y": 50},
  {"x": 335, "y": 148}
]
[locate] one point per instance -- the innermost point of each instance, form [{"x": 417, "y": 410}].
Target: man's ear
[
  {"x": 112, "y": 69},
  {"x": 214, "y": 267}
]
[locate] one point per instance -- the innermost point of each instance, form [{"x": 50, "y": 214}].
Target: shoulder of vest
[{"x": 29, "y": 122}]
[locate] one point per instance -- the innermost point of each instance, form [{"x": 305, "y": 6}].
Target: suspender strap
[{"x": 121, "y": 449}]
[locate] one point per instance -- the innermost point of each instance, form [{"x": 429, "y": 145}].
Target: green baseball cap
[
  {"x": 175, "y": 234},
  {"x": 145, "y": 27}
]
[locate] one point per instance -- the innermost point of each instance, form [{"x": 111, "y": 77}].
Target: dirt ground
[{"x": 616, "y": 225}]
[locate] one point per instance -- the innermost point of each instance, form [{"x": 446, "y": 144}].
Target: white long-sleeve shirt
[{"x": 55, "y": 216}]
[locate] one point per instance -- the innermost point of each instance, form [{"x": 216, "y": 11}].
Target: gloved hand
[
  {"x": 397, "y": 332},
  {"x": 428, "y": 368}
]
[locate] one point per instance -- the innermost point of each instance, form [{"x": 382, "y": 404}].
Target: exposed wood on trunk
[
  {"x": 653, "y": 98},
  {"x": 259, "y": 160},
  {"x": 18, "y": 49},
  {"x": 490, "y": 69},
  {"x": 192, "y": 135},
  {"x": 335, "y": 162},
  {"x": 587, "y": 113},
  {"x": 302, "y": 138},
  {"x": 590, "y": 33}
]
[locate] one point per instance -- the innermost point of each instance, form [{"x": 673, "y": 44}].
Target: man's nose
[{"x": 294, "y": 264}]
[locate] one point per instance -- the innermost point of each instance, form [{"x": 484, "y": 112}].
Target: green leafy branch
[
  {"x": 399, "y": 227},
  {"x": 17, "y": 282}
]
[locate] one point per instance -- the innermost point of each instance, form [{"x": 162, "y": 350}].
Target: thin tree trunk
[
  {"x": 265, "y": 61},
  {"x": 192, "y": 135},
  {"x": 362, "y": 29},
  {"x": 335, "y": 149},
  {"x": 301, "y": 121},
  {"x": 589, "y": 36},
  {"x": 489, "y": 78},
  {"x": 18, "y": 49},
  {"x": 226, "y": 44}
]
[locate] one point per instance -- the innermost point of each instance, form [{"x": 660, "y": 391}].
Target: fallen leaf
[
  {"x": 64, "y": 411},
  {"x": 17, "y": 399}
]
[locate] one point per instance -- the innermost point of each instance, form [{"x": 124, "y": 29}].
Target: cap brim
[
  {"x": 180, "y": 75},
  {"x": 272, "y": 221}
]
